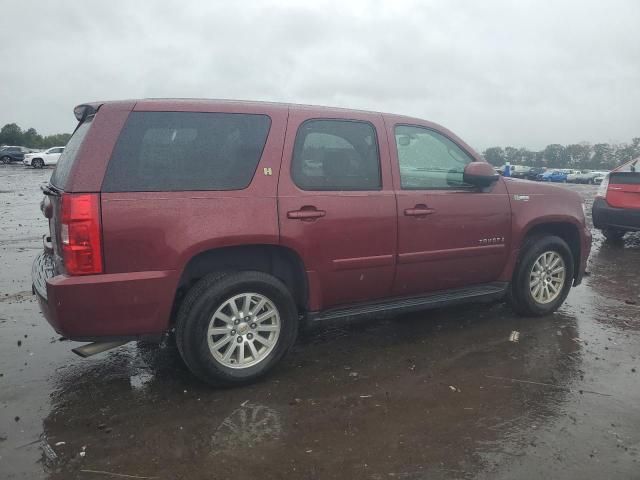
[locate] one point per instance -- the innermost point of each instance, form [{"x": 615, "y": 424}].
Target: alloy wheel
[
  {"x": 244, "y": 330},
  {"x": 547, "y": 277}
]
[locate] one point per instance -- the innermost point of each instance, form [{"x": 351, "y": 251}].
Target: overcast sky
[{"x": 522, "y": 73}]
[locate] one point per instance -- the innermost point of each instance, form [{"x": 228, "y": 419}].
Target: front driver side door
[{"x": 450, "y": 234}]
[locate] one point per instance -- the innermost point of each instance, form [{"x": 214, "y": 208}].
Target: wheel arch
[
  {"x": 566, "y": 230},
  {"x": 277, "y": 260}
]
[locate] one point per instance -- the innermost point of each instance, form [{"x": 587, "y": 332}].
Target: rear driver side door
[{"x": 336, "y": 205}]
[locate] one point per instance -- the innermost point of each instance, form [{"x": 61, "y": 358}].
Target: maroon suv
[{"x": 231, "y": 222}]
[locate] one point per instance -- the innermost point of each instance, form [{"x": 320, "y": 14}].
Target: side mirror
[{"x": 480, "y": 174}]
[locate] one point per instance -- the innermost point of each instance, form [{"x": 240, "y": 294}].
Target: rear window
[
  {"x": 627, "y": 174},
  {"x": 67, "y": 159},
  {"x": 624, "y": 178},
  {"x": 174, "y": 151},
  {"x": 336, "y": 155}
]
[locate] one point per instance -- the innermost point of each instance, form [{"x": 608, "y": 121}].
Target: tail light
[
  {"x": 80, "y": 233},
  {"x": 602, "y": 189}
]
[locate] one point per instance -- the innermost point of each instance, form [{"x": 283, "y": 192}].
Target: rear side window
[
  {"x": 174, "y": 151},
  {"x": 68, "y": 157},
  {"x": 336, "y": 155}
]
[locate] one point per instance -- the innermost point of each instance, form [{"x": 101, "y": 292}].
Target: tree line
[
  {"x": 12, "y": 134},
  {"x": 601, "y": 156}
]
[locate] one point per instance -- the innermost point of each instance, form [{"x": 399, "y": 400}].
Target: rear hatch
[
  {"x": 624, "y": 188},
  {"x": 55, "y": 196}
]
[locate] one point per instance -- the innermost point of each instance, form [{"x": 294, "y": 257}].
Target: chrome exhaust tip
[{"x": 96, "y": 347}]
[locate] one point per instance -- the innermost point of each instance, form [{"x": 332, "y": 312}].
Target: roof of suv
[
  {"x": 159, "y": 104},
  {"x": 221, "y": 105}
]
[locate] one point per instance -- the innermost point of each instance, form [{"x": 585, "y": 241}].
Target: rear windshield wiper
[{"x": 51, "y": 190}]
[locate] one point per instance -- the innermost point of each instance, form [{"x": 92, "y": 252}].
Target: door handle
[
  {"x": 306, "y": 213},
  {"x": 419, "y": 211}
]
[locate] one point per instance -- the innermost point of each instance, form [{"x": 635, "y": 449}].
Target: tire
[
  {"x": 212, "y": 297},
  {"x": 613, "y": 234},
  {"x": 37, "y": 163},
  {"x": 523, "y": 285},
  {"x": 5, "y": 159}
]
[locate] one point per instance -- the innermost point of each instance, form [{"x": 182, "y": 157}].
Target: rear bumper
[
  {"x": 606, "y": 216},
  {"x": 130, "y": 305}
]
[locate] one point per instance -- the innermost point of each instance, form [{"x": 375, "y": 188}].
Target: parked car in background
[
  {"x": 598, "y": 179},
  {"x": 616, "y": 208},
  {"x": 227, "y": 222},
  {"x": 573, "y": 176},
  {"x": 585, "y": 176},
  {"x": 40, "y": 159},
  {"x": 516, "y": 171},
  {"x": 533, "y": 173},
  {"x": 12, "y": 153},
  {"x": 558, "y": 176}
]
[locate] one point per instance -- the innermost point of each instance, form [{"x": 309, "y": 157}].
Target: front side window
[
  {"x": 336, "y": 155},
  {"x": 179, "y": 151},
  {"x": 429, "y": 160}
]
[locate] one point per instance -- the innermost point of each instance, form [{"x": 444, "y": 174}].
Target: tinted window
[
  {"x": 624, "y": 178},
  {"x": 66, "y": 160},
  {"x": 172, "y": 151},
  {"x": 429, "y": 160},
  {"x": 336, "y": 155}
]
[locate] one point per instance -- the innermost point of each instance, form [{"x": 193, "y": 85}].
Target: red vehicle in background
[
  {"x": 230, "y": 222},
  {"x": 616, "y": 208}
]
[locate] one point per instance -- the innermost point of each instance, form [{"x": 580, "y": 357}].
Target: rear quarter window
[
  {"x": 67, "y": 159},
  {"x": 175, "y": 151}
]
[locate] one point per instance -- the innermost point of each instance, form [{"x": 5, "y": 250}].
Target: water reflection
[
  {"x": 246, "y": 427},
  {"x": 612, "y": 292},
  {"x": 354, "y": 400}
]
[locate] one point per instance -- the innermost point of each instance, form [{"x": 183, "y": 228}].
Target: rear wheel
[
  {"x": 613, "y": 234},
  {"x": 37, "y": 163},
  {"x": 233, "y": 328},
  {"x": 543, "y": 276}
]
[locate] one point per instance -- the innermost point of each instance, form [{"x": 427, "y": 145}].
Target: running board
[{"x": 478, "y": 293}]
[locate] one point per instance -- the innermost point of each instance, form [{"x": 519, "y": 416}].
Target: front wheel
[
  {"x": 233, "y": 328},
  {"x": 543, "y": 276},
  {"x": 5, "y": 159},
  {"x": 37, "y": 163}
]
